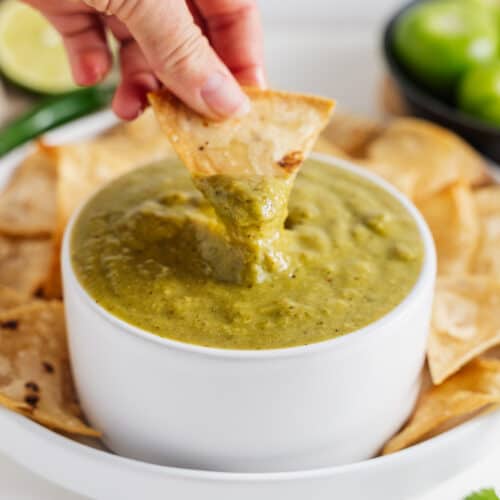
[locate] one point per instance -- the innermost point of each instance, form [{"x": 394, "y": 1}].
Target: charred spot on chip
[
  {"x": 33, "y": 386},
  {"x": 291, "y": 161},
  {"x": 39, "y": 293},
  {"x": 201, "y": 148},
  {"x": 11, "y": 324},
  {"x": 31, "y": 399},
  {"x": 48, "y": 367}
]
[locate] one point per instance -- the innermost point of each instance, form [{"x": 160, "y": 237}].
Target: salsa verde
[{"x": 151, "y": 249}]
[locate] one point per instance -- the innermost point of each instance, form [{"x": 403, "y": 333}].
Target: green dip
[{"x": 150, "y": 249}]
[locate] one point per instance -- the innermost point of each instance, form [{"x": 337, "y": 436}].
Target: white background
[{"x": 328, "y": 47}]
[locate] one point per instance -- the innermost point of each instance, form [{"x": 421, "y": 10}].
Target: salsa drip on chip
[{"x": 245, "y": 168}]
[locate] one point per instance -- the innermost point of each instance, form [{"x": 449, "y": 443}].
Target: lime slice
[{"x": 31, "y": 51}]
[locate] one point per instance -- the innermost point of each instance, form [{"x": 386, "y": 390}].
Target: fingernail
[
  {"x": 260, "y": 78},
  {"x": 224, "y": 96},
  {"x": 95, "y": 66}
]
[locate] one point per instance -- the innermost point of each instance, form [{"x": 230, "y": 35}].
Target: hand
[{"x": 199, "y": 49}]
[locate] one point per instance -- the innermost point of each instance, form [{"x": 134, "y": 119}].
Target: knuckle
[
  {"x": 223, "y": 21},
  {"x": 119, "y": 8},
  {"x": 189, "y": 45}
]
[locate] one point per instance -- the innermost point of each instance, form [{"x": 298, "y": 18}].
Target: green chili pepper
[{"x": 51, "y": 112}]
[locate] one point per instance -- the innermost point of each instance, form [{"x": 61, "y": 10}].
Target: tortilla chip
[
  {"x": 85, "y": 166},
  {"x": 24, "y": 263},
  {"x": 272, "y": 139},
  {"x": 403, "y": 180},
  {"x": 9, "y": 298},
  {"x": 465, "y": 322},
  {"x": 487, "y": 258},
  {"x": 392, "y": 101},
  {"x": 28, "y": 205},
  {"x": 452, "y": 217},
  {"x": 35, "y": 376},
  {"x": 52, "y": 286},
  {"x": 325, "y": 146},
  {"x": 471, "y": 391},
  {"x": 352, "y": 134},
  {"x": 429, "y": 157}
]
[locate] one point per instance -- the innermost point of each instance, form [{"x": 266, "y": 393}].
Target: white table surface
[{"x": 348, "y": 68}]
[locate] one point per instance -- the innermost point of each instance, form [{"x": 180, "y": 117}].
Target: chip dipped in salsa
[{"x": 151, "y": 249}]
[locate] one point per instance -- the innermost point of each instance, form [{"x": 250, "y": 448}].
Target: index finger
[{"x": 235, "y": 31}]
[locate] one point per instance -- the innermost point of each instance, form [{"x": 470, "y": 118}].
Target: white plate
[
  {"x": 342, "y": 66},
  {"x": 100, "y": 474},
  {"x": 104, "y": 476}
]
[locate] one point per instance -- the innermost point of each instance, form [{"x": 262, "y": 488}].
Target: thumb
[{"x": 179, "y": 54}]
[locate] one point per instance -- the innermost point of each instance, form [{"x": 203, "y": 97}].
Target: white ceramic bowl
[{"x": 171, "y": 403}]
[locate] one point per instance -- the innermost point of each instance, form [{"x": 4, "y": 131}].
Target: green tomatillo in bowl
[
  {"x": 438, "y": 41},
  {"x": 479, "y": 93}
]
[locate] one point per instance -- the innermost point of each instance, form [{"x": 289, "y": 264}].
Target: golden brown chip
[
  {"x": 52, "y": 285},
  {"x": 487, "y": 258},
  {"x": 35, "y": 376},
  {"x": 452, "y": 217},
  {"x": 325, "y": 146},
  {"x": 272, "y": 139},
  {"x": 28, "y": 205},
  {"x": 392, "y": 101},
  {"x": 472, "y": 390},
  {"x": 429, "y": 157},
  {"x": 465, "y": 322},
  {"x": 403, "y": 180},
  {"x": 9, "y": 298},
  {"x": 85, "y": 166},
  {"x": 352, "y": 134},
  {"x": 24, "y": 263}
]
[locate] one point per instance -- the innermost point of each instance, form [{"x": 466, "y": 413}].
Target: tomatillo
[
  {"x": 438, "y": 41},
  {"x": 479, "y": 93}
]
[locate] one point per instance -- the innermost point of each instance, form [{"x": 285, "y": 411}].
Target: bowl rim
[
  {"x": 427, "y": 274},
  {"x": 416, "y": 91}
]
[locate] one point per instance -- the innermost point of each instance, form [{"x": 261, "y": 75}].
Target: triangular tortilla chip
[
  {"x": 433, "y": 156},
  {"x": 9, "y": 298},
  {"x": 487, "y": 258},
  {"x": 471, "y": 391},
  {"x": 465, "y": 323},
  {"x": 452, "y": 217},
  {"x": 35, "y": 376},
  {"x": 401, "y": 179},
  {"x": 325, "y": 146},
  {"x": 52, "y": 285},
  {"x": 85, "y": 166},
  {"x": 24, "y": 263},
  {"x": 393, "y": 103},
  {"x": 272, "y": 139},
  {"x": 28, "y": 205},
  {"x": 352, "y": 134}
]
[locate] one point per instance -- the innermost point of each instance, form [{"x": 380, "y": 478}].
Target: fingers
[
  {"x": 179, "y": 54},
  {"x": 137, "y": 81},
  {"x": 86, "y": 45},
  {"x": 235, "y": 31}
]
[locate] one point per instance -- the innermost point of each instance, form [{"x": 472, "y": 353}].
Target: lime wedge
[{"x": 31, "y": 51}]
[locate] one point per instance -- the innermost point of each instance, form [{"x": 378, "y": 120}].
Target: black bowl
[{"x": 423, "y": 104}]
